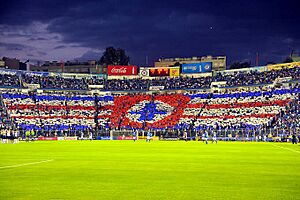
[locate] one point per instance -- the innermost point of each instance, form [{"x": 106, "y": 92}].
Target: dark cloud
[
  {"x": 238, "y": 29},
  {"x": 60, "y": 47},
  {"x": 12, "y": 46},
  {"x": 89, "y": 55},
  {"x": 37, "y": 39},
  {"x": 41, "y": 53}
]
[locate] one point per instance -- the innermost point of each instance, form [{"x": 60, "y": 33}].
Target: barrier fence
[{"x": 264, "y": 134}]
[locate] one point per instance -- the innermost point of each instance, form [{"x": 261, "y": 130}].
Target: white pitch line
[
  {"x": 24, "y": 164},
  {"x": 293, "y": 150}
]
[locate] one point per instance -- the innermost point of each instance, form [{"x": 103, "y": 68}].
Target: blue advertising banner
[
  {"x": 8, "y": 72},
  {"x": 36, "y": 73},
  {"x": 193, "y": 68}
]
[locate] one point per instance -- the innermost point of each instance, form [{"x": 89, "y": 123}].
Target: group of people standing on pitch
[
  {"x": 204, "y": 137},
  {"x": 9, "y": 136},
  {"x": 90, "y": 136},
  {"x": 148, "y": 137}
]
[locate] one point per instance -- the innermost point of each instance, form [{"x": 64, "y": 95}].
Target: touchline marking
[
  {"x": 293, "y": 150},
  {"x": 24, "y": 164}
]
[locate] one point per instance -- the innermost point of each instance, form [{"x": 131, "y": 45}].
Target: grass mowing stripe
[
  {"x": 24, "y": 164},
  {"x": 293, "y": 150}
]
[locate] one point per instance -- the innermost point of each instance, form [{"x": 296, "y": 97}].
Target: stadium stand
[
  {"x": 240, "y": 78},
  {"x": 69, "y": 112},
  {"x": 126, "y": 85},
  {"x": 235, "y": 110},
  {"x": 176, "y": 83},
  {"x": 5, "y": 123},
  {"x": 291, "y": 117},
  {"x": 213, "y": 111},
  {"x": 256, "y": 78},
  {"x": 9, "y": 80}
]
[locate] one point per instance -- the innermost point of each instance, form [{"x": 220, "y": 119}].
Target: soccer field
[{"x": 156, "y": 170}]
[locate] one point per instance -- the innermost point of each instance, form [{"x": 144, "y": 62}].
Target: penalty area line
[
  {"x": 24, "y": 164},
  {"x": 293, "y": 150}
]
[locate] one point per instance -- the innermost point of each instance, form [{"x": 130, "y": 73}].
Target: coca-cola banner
[{"x": 117, "y": 70}]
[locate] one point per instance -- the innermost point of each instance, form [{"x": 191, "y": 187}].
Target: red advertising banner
[
  {"x": 47, "y": 138},
  {"x": 118, "y": 70},
  {"x": 159, "y": 72},
  {"x": 125, "y": 138},
  {"x": 66, "y": 138}
]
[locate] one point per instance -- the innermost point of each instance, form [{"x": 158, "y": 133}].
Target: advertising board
[
  {"x": 175, "y": 71},
  {"x": 156, "y": 87},
  {"x": 144, "y": 72},
  {"x": 118, "y": 70},
  {"x": 47, "y": 138},
  {"x": 159, "y": 71},
  {"x": 194, "y": 68},
  {"x": 283, "y": 65}
]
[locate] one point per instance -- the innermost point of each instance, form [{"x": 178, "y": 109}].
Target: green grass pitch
[{"x": 157, "y": 170}]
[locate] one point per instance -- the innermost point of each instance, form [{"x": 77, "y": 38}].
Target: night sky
[{"x": 78, "y": 29}]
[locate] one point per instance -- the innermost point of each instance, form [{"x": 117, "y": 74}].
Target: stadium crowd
[
  {"x": 173, "y": 83},
  {"x": 73, "y": 114},
  {"x": 291, "y": 118},
  {"x": 76, "y": 112},
  {"x": 9, "y": 80},
  {"x": 237, "y": 110},
  {"x": 57, "y": 82},
  {"x": 241, "y": 78},
  {"x": 256, "y": 78},
  {"x": 126, "y": 84},
  {"x": 4, "y": 119}
]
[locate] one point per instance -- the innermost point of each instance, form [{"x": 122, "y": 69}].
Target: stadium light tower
[
  {"x": 147, "y": 61},
  {"x": 257, "y": 59}
]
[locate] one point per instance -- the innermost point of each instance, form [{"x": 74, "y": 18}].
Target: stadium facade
[{"x": 218, "y": 62}]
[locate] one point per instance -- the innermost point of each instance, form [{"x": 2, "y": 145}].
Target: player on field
[
  {"x": 9, "y": 136},
  {"x": 3, "y": 136},
  {"x": 91, "y": 136},
  {"x": 205, "y": 137},
  {"x": 265, "y": 137},
  {"x": 149, "y": 136},
  {"x": 246, "y": 136},
  {"x": 65, "y": 135},
  {"x": 214, "y": 138},
  {"x": 134, "y": 135},
  {"x": 294, "y": 139},
  {"x": 15, "y": 136},
  {"x": 185, "y": 136},
  {"x": 27, "y": 134},
  {"x": 81, "y": 137}
]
